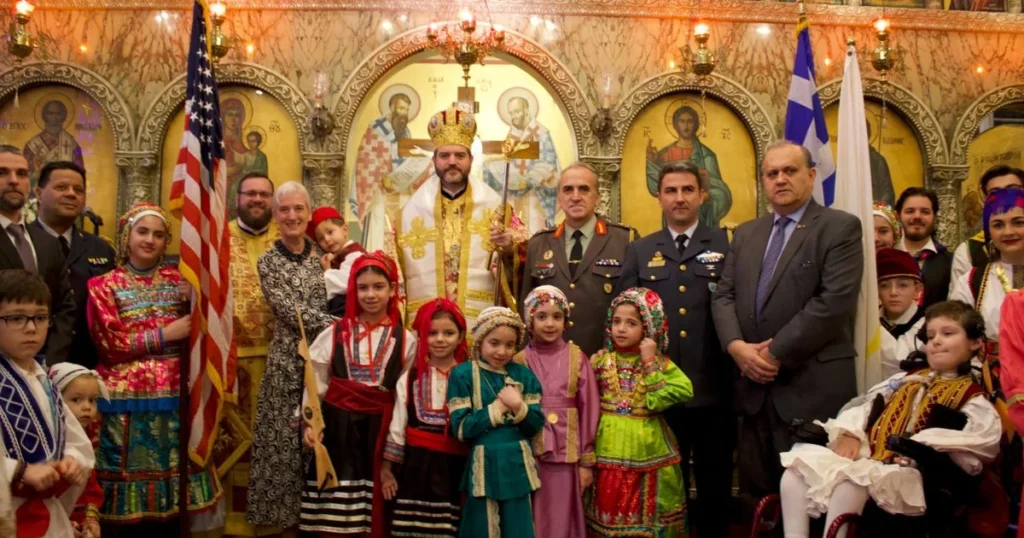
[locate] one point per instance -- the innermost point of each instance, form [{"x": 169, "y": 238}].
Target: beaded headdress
[
  {"x": 538, "y": 297},
  {"x": 885, "y": 211},
  {"x": 652, "y": 314},
  {"x": 63, "y": 373},
  {"x": 491, "y": 318},
  {"x": 128, "y": 220},
  {"x": 452, "y": 126}
]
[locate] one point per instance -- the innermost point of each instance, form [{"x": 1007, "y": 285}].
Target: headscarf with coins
[
  {"x": 652, "y": 314},
  {"x": 885, "y": 211},
  {"x": 540, "y": 296},
  {"x": 491, "y": 318},
  {"x": 124, "y": 227}
]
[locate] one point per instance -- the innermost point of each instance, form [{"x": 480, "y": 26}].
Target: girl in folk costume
[
  {"x": 495, "y": 406},
  {"x": 639, "y": 487},
  {"x": 357, "y": 361},
  {"x": 899, "y": 284},
  {"x": 46, "y": 454},
  {"x": 564, "y": 449},
  {"x": 857, "y": 465},
  {"x": 429, "y": 461},
  {"x": 986, "y": 288},
  {"x": 81, "y": 390},
  {"x": 138, "y": 316},
  {"x": 888, "y": 230}
]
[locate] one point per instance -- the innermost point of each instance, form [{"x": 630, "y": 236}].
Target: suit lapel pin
[{"x": 548, "y": 254}]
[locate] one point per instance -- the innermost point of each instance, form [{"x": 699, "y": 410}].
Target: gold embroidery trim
[
  {"x": 418, "y": 237},
  {"x": 572, "y": 437},
  {"x": 479, "y": 486},
  {"x": 496, "y": 417},
  {"x": 574, "y": 369},
  {"x": 477, "y": 400},
  {"x": 530, "y": 465},
  {"x": 1015, "y": 399},
  {"x": 493, "y": 519},
  {"x": 455, "y": 404},
  {"x": 479, "y": 295}
]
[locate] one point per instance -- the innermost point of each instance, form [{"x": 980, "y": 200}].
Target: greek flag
[{"x": 805, "y": 119}]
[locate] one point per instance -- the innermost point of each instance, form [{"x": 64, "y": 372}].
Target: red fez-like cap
[
  {"x": 894, "y": 263},
  {"x": 321, "y": 214}
]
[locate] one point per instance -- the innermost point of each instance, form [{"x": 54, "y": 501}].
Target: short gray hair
[
  {"x": 289, "y": 188},
  {"x": 580, "y": 165},
  {"x": 783, "y": 143},
  {"x": 682, "y": 167}
]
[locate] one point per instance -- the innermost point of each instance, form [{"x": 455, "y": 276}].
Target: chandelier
[{"x": 462, "y": 43}]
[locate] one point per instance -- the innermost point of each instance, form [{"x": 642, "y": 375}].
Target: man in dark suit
[
  {"x": 61, "y": 194},
  {"x": 917, "y": 209},
  {"x": 28, "y": 247},
  {"x": 784, "y": 311},
  {"x": 682, "y": 263},
  {"x": 582, "y": 257}
]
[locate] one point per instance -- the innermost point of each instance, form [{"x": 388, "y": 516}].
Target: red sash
[
  {"x": 356, "y": 397},
  {"x": 437, "y": 442}
]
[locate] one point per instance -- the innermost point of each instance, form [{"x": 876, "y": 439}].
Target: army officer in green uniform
[{"x": 582, "y": 257}]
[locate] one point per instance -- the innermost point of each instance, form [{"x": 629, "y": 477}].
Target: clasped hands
[
  {"x": 509, "y": 399},
  {"x": 43, "y": 476},
  {"x": 754, "y": 360}
]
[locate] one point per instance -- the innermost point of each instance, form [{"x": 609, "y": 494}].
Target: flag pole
[{"x": 184, "y": 425}]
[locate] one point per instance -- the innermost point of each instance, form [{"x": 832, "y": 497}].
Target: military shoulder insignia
[
  {"x": 710, "y": 257},
  {"x": 608, "y": 262}
]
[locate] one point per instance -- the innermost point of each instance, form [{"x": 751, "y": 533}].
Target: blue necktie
[{"x": 771, "y": 259}]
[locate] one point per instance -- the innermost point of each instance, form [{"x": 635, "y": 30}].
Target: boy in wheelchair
[{"x": 873, "y": 449}]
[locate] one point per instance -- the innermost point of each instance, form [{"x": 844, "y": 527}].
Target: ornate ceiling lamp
[
  {"x": 220, "y": 43},
  {"x": 19, "y": 42},
  {"x": 704, "y": 61},
  {"x": 462, "y": 43}
]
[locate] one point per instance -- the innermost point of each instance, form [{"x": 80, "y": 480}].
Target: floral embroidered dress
[
  {"x": 137, "y": 461},
  {"x": 638, "y": 487},
  {"x": 289, "y": 280}
]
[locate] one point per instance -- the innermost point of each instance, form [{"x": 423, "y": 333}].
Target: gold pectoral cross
[{"x": 418, "y": 237}]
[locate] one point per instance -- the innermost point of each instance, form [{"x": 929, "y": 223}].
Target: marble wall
[{"x": 139, "y": 51}]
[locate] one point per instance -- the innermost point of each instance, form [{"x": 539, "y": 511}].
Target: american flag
[{"x": 198, "y": 195}]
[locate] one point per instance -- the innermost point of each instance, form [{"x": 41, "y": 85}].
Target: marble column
[
  {"x": 608, "y": 169},
  {"x": 324, "y": 177},
  {"x": 139, "y": 179},
  {"x": 946, "y": 181}
]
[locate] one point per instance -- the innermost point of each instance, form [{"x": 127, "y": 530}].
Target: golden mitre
[{"x": 452, "y": 126}]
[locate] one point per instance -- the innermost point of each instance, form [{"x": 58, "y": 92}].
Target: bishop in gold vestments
[{"x": 253, "y": 329}]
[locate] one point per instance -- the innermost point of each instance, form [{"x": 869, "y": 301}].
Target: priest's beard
[
  {"x": 453, "y": 179},
  {"x": 255, "y": 223}
]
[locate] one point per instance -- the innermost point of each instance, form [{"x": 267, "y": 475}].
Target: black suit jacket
[
  {"x": 935, "y": 276},
  {"x": 50, "y": 262},
  {"x": 685, "y": 282},
  {"x": 808, "y": 312},
  {"x": 89, "y": 256}
]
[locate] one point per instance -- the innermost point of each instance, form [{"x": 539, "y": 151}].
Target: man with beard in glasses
[
  {"x": 918, "y": 208},
  {"x": 252, "y": 233},
  {"x": 450, "y": 226},
  {"x": 30, "y": 248}
]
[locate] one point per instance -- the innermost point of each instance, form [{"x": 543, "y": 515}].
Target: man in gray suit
[
  {"x": 682, "y": 263},
  {"x": 582, "y": 256},
  {"x": 784, "y": 311}
]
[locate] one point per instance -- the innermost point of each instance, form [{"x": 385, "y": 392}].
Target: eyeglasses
[
  {"x": 257, "y": 194},
  {"x": 19, "y": 321}
]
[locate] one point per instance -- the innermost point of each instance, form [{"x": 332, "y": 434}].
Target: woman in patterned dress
[
  {"x": 291, "y": 276},
  {"x": 138, "y": 317}
]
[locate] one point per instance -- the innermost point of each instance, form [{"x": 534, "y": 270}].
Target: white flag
[{"x": 853, "y": 195}]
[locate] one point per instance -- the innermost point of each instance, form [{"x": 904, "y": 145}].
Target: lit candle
[
  {"x": 218, "y": 9},
  {"x": 499, "y": 31},
  {"x": 432, "y": 31},
  {"x": 701, "y": 29},
  {"x": 606, "y": 91},
  {"x": 24, "y": 8},
  {"x": 881, "y": 25}
]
